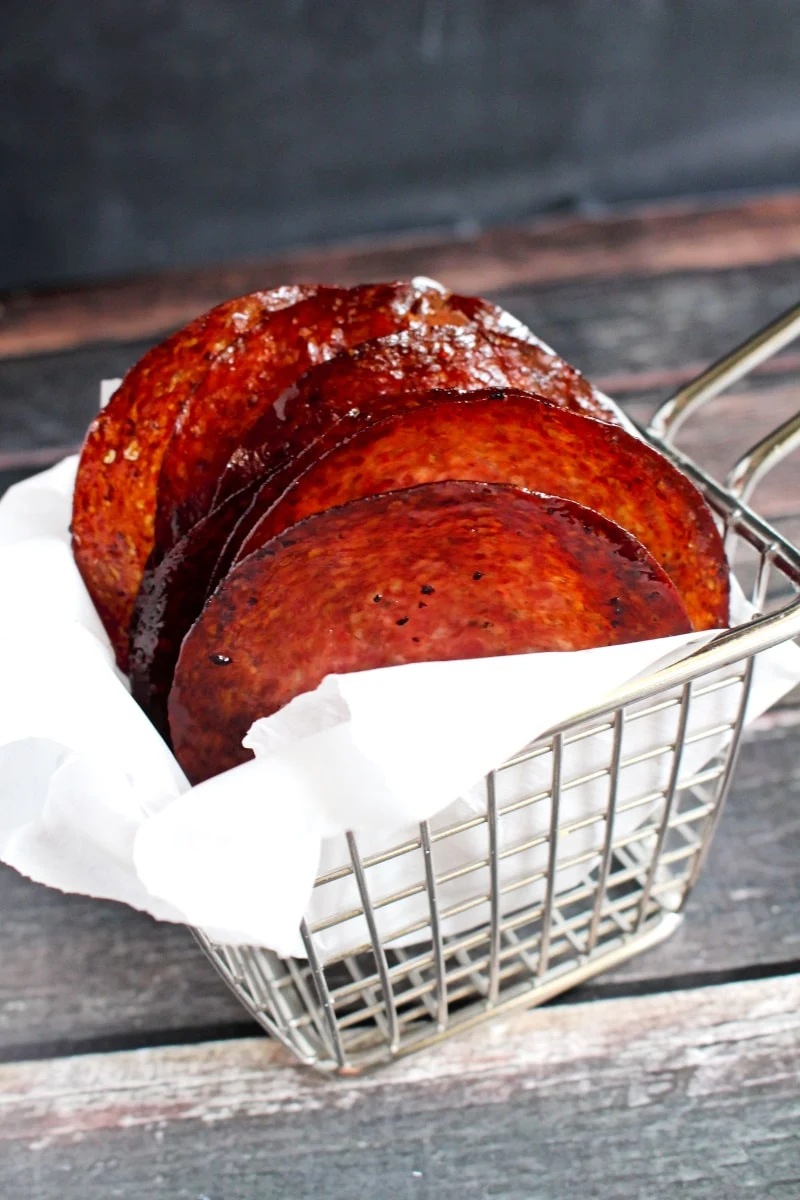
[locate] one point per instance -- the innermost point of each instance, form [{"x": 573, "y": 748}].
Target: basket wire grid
[{"x": 549, "y": 894}]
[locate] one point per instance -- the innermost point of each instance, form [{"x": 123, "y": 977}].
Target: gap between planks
[
  {"x": 656, "y": 239},
  {"x": 713, "y": 1041}
]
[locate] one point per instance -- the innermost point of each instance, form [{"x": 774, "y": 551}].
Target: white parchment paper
[{"x": 92, "y": 800}]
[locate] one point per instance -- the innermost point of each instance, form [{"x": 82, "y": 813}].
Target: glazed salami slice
[
  {"x": 441, "y": 571},
  {"x": 493, "y": 437},
  {"x": 115, "y": 489},
  {"x": 172, "y": 594},
  {"x": 242, "y": 385},
  {"x": 337, "y": 397},
  {"x": 349, "y": 387},
  {"x": 510, "y": 437}
]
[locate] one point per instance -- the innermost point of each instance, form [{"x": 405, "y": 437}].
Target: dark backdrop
[{"x": 137, "y": 134}]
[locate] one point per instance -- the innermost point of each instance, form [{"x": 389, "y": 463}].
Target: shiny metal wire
[{"x": 553, "y": 896}]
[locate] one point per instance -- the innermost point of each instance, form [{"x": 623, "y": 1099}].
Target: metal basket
[{"x": 565, "y": 896}]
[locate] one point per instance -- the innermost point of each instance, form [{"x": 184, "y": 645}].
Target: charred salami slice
[
  {"x": 440, "y": 571},
  {"x": 174, "y": 589}
]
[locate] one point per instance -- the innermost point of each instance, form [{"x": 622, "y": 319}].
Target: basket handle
[
  {"x": 751, "y": 468},
  {"x": 721, "y": 374}
]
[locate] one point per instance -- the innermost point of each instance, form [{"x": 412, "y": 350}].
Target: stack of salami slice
[{"x": 317, "y": 479}]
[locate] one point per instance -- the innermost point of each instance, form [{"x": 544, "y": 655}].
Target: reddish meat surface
[
  {"x": 349, "y": 390},
  {"x": 493, "y": 437},
  {"x": 115, "y": 489},
  {"x": 242, "y": 384},
  {"x": 440, "y": 571},
  {"x": 332, "y": 399},
  {"x": 523, "y": 440},
  {"x": 150, "y": 464},
  {"x": 170, "y": 599}
]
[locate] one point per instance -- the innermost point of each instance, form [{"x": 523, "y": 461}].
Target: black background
[{"x": 137, "y": 134}]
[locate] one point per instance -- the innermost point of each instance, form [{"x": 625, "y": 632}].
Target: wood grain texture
[
  {"x": 89, "y": 973},
  {"x": 745, "y": 909},
  {"x": 149, "y": 980},
  {"x": 48, "y": 402},
  {"x": 632, "y": 333},
  {"x": 695, "y": 1093},
  {"x": 656, "y": 240}
]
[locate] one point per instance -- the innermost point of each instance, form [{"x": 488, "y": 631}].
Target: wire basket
[{"x": 549, "y": 894}]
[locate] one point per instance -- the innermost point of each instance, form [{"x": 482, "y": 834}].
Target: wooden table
[{"x": 126, "y": 1067}]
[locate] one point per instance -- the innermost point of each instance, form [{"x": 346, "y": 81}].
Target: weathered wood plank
[
  {"x": 81, "y": 971},
  {"x": 149, "y": 980},
  {"x": 745, "y": 909},
  {"x": 694, "y": 1092},
  {"x": 658, "y": 239},
  {"x": 630, "y": 335},
  {"x": 49, "y": 401},
  {"x": 615, "y": 329},
  {"x": 723, "y": 431}
]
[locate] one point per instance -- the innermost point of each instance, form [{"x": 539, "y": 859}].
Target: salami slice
[
  {"x": 337, "y": 397},
  {"x": 440, "y": 571},
  {"x": 174, "y": 589},
  {"x": 348, "y": 388},
  {"x": 264, "y": 362},
  {"x": 115, "y": 489},
  {"x": 509, "y": 437}
]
